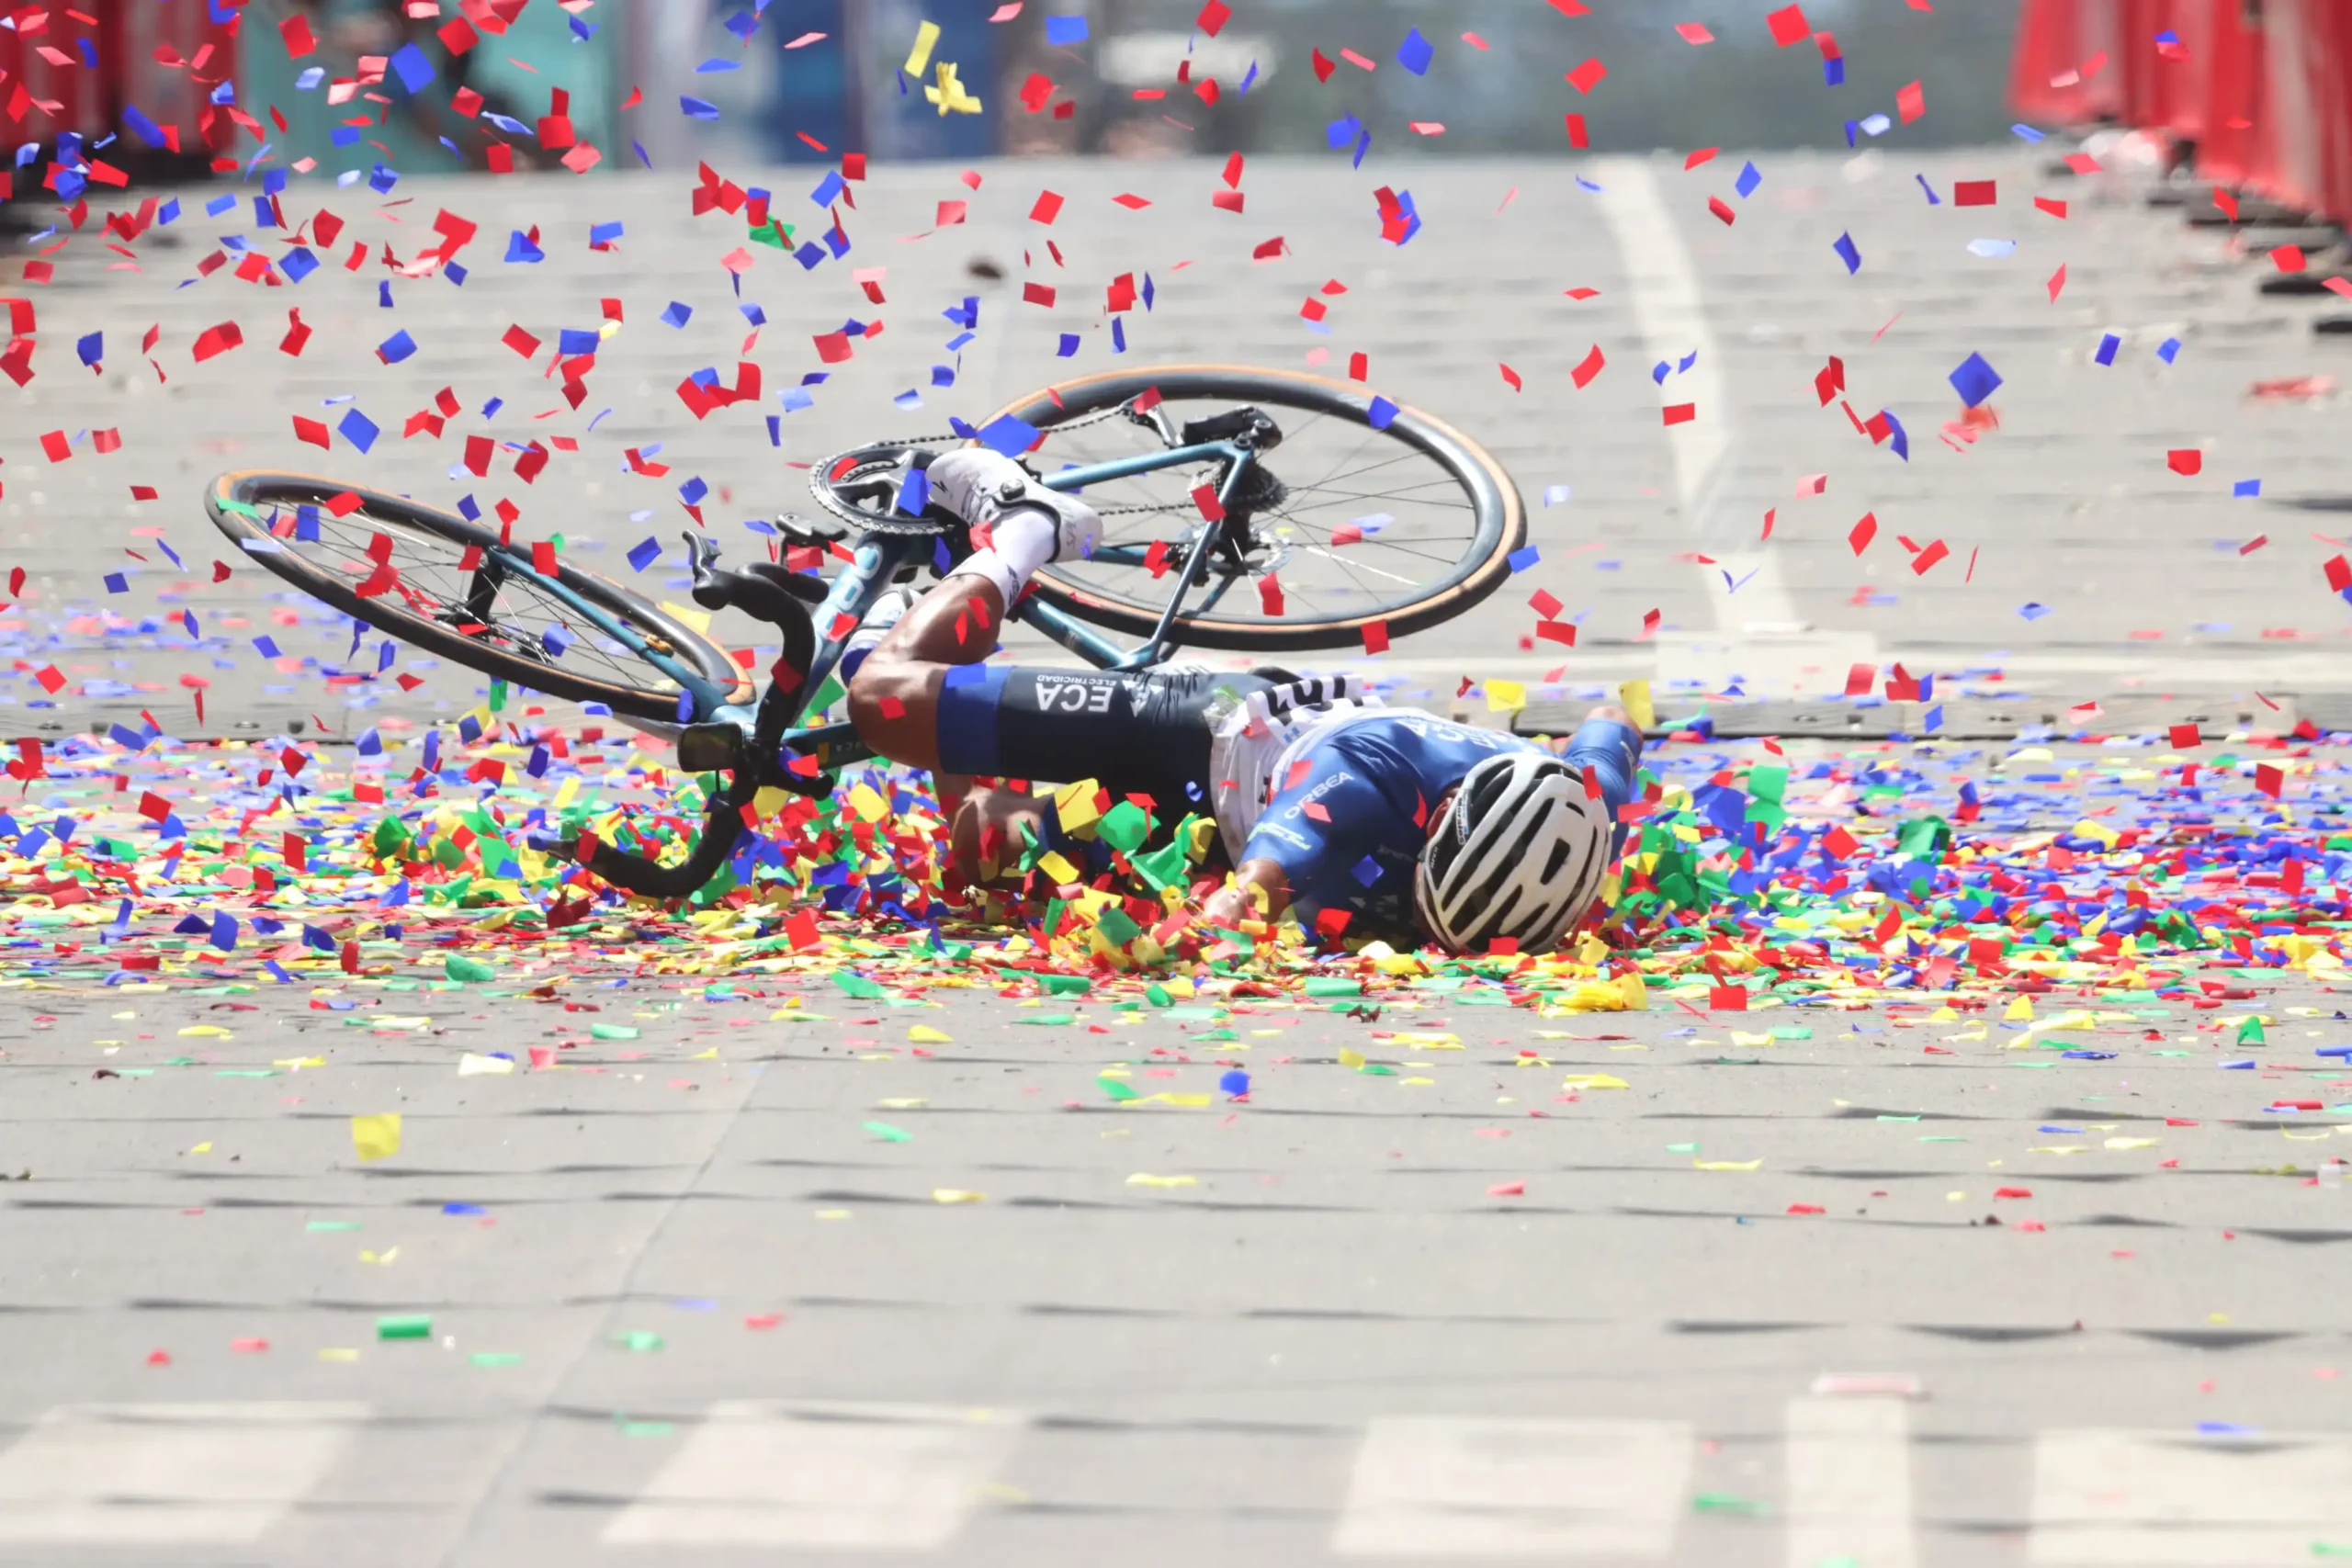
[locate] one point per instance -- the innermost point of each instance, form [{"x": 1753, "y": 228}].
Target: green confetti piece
[
  {"x": 331, "y": 1225},
  {"x": 646, "y": 1428},
  {"x": 612, "y": 1031},
  {"x": 1682, "y": 1148},
  {"x": 850, "y": 983},
  {"x": 1115, "y": 1090},
  {"x": 1157, "y": 995},
  {"x": 1333, "y": 986},
  {"x": 404, "y": 1325},
  {"x": 643, "y": 1341},
  {"x": 459, "y": 968},
  {"x": 1067, "y": 985},
  {"x": 496, "y": 1358},
  {"x": 1042, "y": 1019},
  {"x": 1724, "y": 1503},
  {"x": 887, "y": 1134}
]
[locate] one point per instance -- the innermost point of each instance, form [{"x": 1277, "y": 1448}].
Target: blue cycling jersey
[{"x": 1349, "y": 831}]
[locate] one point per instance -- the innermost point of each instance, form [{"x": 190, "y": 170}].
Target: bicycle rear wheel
[
  {"x": 430, "y": 579},
  {"x": 1409, "y": 524}
]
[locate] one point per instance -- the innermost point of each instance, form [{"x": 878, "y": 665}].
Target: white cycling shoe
[{"x": 981, "y": 486}]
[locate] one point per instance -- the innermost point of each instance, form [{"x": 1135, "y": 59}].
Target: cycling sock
[
  {"x": 1025, "y": 539},
  {"x": 886, "y": 613}
]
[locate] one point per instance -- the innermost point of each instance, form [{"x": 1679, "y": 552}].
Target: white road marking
[
  {"x": 855, "y": 1477},
  {"x": 1456, "y": 1488},
  {"x": 1849, "y": 1483},
  {"x": 1670, "y": 309},
  {"x": 166, "y": 1474},
  {"x": 2178, "y": 1500}
]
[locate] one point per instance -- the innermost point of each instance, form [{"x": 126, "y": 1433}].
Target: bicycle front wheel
[
  {"x": 437, "y": 583},
  {"x": 1405, "y": 525}
]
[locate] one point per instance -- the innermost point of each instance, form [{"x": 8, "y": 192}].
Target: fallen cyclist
[{"x": 1355, "y": 818}]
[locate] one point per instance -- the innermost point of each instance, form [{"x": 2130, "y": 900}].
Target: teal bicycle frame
[{"x": 876, "y": 563}]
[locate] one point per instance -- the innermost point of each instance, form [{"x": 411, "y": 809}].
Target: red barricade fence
[{"x": 2260, "y": 90}]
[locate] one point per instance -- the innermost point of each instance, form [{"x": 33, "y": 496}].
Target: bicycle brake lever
[{"x": 702, "y": 552}]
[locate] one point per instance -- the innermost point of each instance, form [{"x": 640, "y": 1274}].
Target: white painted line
[
  {"x": 849, "y": 1477},
  {"x": 2178, "y": 1500},
  {"x": 1671, "y": 311},
  {"x": 1455, "y": 1488},
  {"x": 1849, "y": 1483},
  {"x": 166, "y": 1474}
]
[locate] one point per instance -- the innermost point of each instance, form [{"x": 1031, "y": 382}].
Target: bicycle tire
[
  {"x": 1500, "y": 514},
  {"x": 265, "y": 489}
]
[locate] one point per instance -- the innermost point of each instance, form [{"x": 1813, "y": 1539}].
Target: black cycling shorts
[{"x": 1140, "y": 732}]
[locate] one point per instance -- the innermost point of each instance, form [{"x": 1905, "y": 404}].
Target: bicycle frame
[{"x": 876, "y": 561}]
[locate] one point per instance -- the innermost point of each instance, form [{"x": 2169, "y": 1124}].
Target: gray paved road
[
  {"x": 2069, "y": 504},
  {"x": 713, "y": 1308},
  {"x": 706, "y": 1287}
]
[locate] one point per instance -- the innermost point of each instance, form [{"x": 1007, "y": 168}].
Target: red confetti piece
[
  {"x": 2185, "y": 460},
  {"x": 1587, "y": 76}
]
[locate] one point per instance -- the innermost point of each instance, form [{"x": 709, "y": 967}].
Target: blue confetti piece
[
  {"x": 809, "y": 255},
  {"x": 1063, "y": 32},
  {"x": 359, "y": 429},
  {"x": 2025, "y": 132},
  {"x": 1974, "y": 380},
  {"x": 1068, "y": 347},
  {"x": 224, "y": 931},
  {"x": 91, "y": 349},
  {"x": 716, "y": 65},
  {"x": 2168, "y": 350},
  {"x": 146, "y": 129},
  {"x": 829, "y": 190},
  {"x": 462, "y": 1209},
  {"x": 520, "y": 247},
  {"x": 1899, "y": 443},
  {"x": 603, "y": 234},
  {"x": 1848, "y": 253},
  {"x": 1367, "y": 871},
  {"x": 409, "y": 64},
  {"x": 1933, "y": 719},
  {"x": 395, "y": 348},
  {"x": 693, "y": 489},
  {"x": 297, "y": 263},
  {"x": 1524, "y": 557},
  {"x": 219, "y": 205},
  {"x": 1341, "y": 132},
  {"x": 1749, "y": 178},
  {"x": 695, "y": 109},
  {"x": 678, "y": 315},
  {"x": 131, "y": 739},
  {"x": 267, "y": 647},
  {"x": 384, "y": 294},
  {"x": 2033, "y": 612},
  {"x": 1933, "y": 199},
  {"x": 644, "y": 554},
  {"x": 187, "y": 619},
  {"x": 1382, "y": 414},
  {"x": 914, "y": 492},
  {"x": 1119, "y": 334},
  {"x": 1008, "y": 434},
  {"x": 117, "y": 583},
  {"x": 1555, "y": 494},
  {"x": 1416, "y": 52},
  {"x": 1234, "y": 1084},
  {"x": 2107, "y": 347},
  {"x": 2246, "y": 487},
  {"x": 573, "y": 341},
  {"x": 1364, "y": 145},
  {"x": 685, "y": 708}
]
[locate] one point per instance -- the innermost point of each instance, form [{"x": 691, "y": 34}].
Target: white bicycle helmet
[{"x": 1519, "y": 852}]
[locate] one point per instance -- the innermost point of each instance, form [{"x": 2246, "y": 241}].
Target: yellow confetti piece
[
  {"x": 919, "y": 58},
  {"x": 338, "y": 1353},
  {"x": 924, "y": 1034},
  {"x": 1727, "y": 1164},
  {"x": 296, "y": 1064},
  {"x": 1054, "y": 865},
  {"x": 957, "y": 1195},
  {"x": 2133, "y": 1143},
  {"x": 1185, "y": 1102},
  {"x": 833, "y": 1214},
  {"x": 2020, "y": 1011},
  {"x": 1742, "y": 1037},
  {"x": 1421, "y": 1082},
  {"x": 204, "y": 1148},
  {"x": 205, "y": 1032},
  {"x": 1350, "y": 1058},
  {"x": 1634, "y": 697},
  {"x": 2059, "y": 1149},
  {"x": 376, "y": 1137},
  {"x": 709, "y": 1056},
  {"x": 902, "y": 1104},
  {"x": 471, "y": 1065},
  {"x": 1505, "y": 696},
  {"x": 1142, "y": 1179},
  {"x": 867, "y": 803},
  {"x": 1593, "y": 1080},
  {"x": 1437, "y": 1042}
]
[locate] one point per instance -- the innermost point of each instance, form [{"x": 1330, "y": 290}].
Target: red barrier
[
  {"x": 59, "y": 73},
  {"x": 2309, "y": 49},
  {"x": 2263, "y": 88}
]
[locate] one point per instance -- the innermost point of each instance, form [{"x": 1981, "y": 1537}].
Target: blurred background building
[{"x": 349, "y": 85}]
